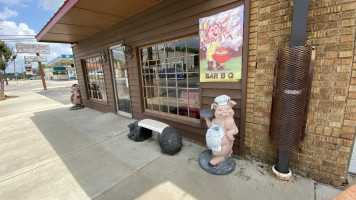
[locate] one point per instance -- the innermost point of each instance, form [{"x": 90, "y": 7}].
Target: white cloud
[
  {"x": 51, "y": 4},
  {"x": 11, "y": 28},
  {"x": 7, "y": 14},
  {"x": 21, "y": 3}
]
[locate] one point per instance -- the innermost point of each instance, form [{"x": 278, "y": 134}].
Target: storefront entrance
[{"x": 121, "y": 84}]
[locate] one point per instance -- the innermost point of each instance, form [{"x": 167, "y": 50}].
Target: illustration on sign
[
  {"x": 27, "y": 64},
  {"x": 32, "y": 48},
  {"x": 221, "y": 40},
  {"x": 28, "y": 67}
]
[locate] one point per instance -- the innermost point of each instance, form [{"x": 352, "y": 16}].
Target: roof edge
[{"x": 57, "y": 16}]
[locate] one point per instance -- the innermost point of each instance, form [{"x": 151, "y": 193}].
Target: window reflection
[
  {"x": 193, "y": 63},
  {"x": 193, "y": 80},
  {"x": 171, "y": 77},
  {"x": 95, "y": 78},
  {"x": 169, "y": 50},
  {"x": 180, "y": 48},
  {"x": 160, "y": 51},
  {"x": 193, "y": 45}
]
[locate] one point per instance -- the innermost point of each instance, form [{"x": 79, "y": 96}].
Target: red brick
[
  {"x": 347, "y": 38},
  {"x": 349, "y": 22},
  {"x": 348, "y": 129},
  {"x": 352, "y": 95},
  {"x": 338, "y": 47},
  {"x": 331, "y": 54},
  {"x": 342, "y": 15},
  {"x": 351, "y": 109},
  {"x": 280, "y": 6},
  {"x": 345, "y": 54},
  {"x": 262, "y": 35},
  {"x": 340, "y": 84},
  {"x": 338, "y": 62},
  {"x": 350, "y": 6},
  {"x": 353, "y": 81},
  {"x": 340, "y": 31},
  {"x": 327, "y": 10},
  {"x": 318, "y": 19},
  {"x": 349, "y": 136},
  {"x": 350, "y": 116}
]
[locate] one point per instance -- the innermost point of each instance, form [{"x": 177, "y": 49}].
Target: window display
[
  {"x": 171, "y": 77},
  {"x": 93, "y": 68}
]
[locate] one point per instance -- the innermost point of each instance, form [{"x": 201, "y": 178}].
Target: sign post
[
  {"x": 35, "y": 48},
  {"x": 42, "y": 74}
]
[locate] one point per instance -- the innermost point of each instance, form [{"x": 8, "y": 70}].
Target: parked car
[{"x": 180, "y": 73}]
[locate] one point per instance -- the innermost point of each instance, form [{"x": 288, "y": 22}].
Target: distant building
[
  {"x": 56, "y": 73},
  {"x": 62, "y": 68}
]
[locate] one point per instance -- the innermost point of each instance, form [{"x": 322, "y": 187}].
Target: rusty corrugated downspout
[{"x": 291, "y": 89}]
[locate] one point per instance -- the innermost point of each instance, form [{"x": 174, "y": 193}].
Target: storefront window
[
  {"x": 93, "y": 68},
  {"x": 171, "y": 77}
]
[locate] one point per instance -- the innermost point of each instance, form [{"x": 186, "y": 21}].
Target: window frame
[
  {"x": 86, "y": 78},
  {"x": 162, "y": 114}
]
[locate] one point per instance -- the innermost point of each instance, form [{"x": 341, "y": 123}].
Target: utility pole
[{"x": 15, "y": 73}]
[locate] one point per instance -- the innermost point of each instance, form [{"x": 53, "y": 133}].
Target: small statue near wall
[
  {"x": 219, "y": 137},
  {"x": 76, "y": 98}
]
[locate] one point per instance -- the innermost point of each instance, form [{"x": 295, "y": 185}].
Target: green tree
[
  {"x": 7, "y": 55},
  {"x": 45, "y": 66}
]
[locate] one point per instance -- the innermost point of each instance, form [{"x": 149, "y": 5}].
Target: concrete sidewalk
[{"x": 49, "y": 152}]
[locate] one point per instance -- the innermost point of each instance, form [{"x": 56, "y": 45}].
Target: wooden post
[{"x": 42, "y": 74}]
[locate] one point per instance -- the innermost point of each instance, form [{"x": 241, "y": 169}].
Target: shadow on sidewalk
[
  {"x": 61, "y": 95},
  {"x": 95, "y": 150},
  {"x": 98, "y": 161}
]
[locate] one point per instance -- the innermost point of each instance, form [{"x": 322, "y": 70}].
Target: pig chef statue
[{"x": 219, "y": 137}]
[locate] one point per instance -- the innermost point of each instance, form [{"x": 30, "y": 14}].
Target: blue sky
[{"x": 28, "y": 17}]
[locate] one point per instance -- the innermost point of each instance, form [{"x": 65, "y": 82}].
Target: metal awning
[{"x": 79, "y": 19}]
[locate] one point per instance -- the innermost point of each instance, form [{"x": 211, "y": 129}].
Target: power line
[
  {"x": 5, "y": 39},
  {"x": 17, "y": 35}
]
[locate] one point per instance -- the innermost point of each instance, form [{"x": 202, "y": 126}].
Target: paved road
[
  {"x": 36, "y": 85},
  {"x": 56, "y": 90}
]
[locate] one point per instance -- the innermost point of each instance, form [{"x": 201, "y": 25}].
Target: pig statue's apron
[{"x": 214, "y": 136}]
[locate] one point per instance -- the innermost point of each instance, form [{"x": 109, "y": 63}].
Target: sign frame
[{"x": 33, "y": 48}]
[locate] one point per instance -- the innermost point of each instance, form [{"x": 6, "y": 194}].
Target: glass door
[{"x": 121, "y": 83}]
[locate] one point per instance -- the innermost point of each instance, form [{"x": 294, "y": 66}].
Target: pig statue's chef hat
[{"x": 222, "y": 100}]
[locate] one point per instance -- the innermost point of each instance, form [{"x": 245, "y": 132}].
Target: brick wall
[{"x": 328, "y": 142}]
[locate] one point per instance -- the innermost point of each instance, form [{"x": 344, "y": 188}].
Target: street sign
[
  {"x": 32, "y": 48},
  {"x": 35, "y": 59}
]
